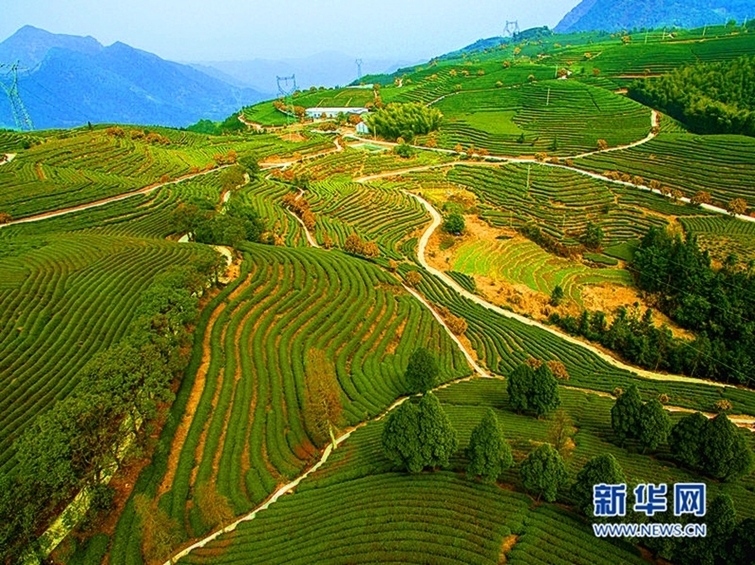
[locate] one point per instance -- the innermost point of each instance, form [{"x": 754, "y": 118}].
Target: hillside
[
  {"x": 617, "y": 15},
  {"x": 240, "y": 341},
  {"x": 73, "y": 80}
]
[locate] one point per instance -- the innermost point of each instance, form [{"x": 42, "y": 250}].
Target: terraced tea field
[
  {"x": 520, "y": 261},
  {"x": 242, "y": 466}
]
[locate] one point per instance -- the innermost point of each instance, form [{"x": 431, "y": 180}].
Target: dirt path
[
  {"x": 436, "y": 221},
  {"x": 146, "y": 190},
  {"x": 7, "y": 158},
  {"x": 254, "y": 125}
]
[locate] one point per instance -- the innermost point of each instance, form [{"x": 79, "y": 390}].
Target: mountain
[
  {"x": 72, "y": 80},
  {"x": 615, "y": 15},
  {"x": 323, "y": 69}
]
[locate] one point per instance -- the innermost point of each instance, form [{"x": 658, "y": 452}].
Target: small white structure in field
[
  {"x": 362, "y": 128},
  {"x": 316, "y": 113}
]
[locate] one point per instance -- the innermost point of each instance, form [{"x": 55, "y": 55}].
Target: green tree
[
  {"x": 405, "y": 120},
  {"x": 437, "y": 437},
  {"x": 625, "y": 414},
  {"x": 517, "y": 386},
  {"x": 488, "y": 452},
  {"x": 400, "y": 438},
  {"x": 600, "y": 469},
  {"x": 742, "y": 543},
  {"x": 721, "y": 520},
  {"x": 454, "y": 223},
  {"x": 557, "y": 296},
  {"x": 419, "y": 435},
  {"x": 543, "y": 396},
  {"x": 422, "y": 372},
  {"x": 593, "y": 236},
  {"x": 654, "y": 424},
  {"x": 725, "y": 453},
  {"x": 543, "y": 472},
  {"x": 685, "y": 440}
]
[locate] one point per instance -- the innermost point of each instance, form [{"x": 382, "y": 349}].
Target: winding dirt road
[{"x": 436, "y": 221}]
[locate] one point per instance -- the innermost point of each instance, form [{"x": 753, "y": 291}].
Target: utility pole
[
  {"x": 704, "y": 30},
  {"x": 548, "y": 100},
  {"x": 17, "y": 108},
  {"x": 529, "y": 168},
  {"x": 647, "y": 31}
]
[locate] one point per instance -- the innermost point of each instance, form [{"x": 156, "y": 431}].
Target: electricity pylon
[
  {"x": 9, "y": 83},
  {"x": 511, "y": 29},
  {"x": 359, "y": 69},
  {"x": 286, "y": 88}
]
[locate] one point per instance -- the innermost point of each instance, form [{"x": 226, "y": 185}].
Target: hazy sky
[{"x": 197, "y": 30}]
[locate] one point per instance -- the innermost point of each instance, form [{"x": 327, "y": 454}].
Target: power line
[{"x": 17, "y": 108}]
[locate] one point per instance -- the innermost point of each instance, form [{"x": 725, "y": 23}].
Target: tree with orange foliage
[{"x": 322, "y": 406}]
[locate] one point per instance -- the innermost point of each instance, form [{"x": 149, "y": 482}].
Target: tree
[
  {"x": 602, "y": 145},
  {"x": 5, "y": 218},
  {"x": 543, "y": 472},
  {"x": 654, "y": 424},
  {"x": 400, "y": 438},
  {"x": 405, "y": 120},
  {"x": 323, "y": 406},
  {"x": 422, "y": 372},
  {"x": 725, "y": 453},
  {"x": 454, "y": 223},
  {"x": 685, "y": 438},
  {"x": 557, "y": 296},
  {"x": 213, "y": 506},
  {"x": 742, "y": 543},
  {"x": 543, "y": 395},
  {"x": 353, "y": 244},
  {"x": 593, "y": 236},
  {"x": 488, "y": 452},
  {"x": 518, "y": 385},
  {"x": 701, "y": 197},
  {"x": 438, "y": 438},
  {"x": 737, "y": 207},
  {"x": 413, "y": 278},
  {"x": 160, "y": 534},
  {"x": 600, "y": 469},
  {"x": 721, "y": 521},
  {"x": 625, "y": 414},
  {"x": 561, "y": 433},
  {"x": 419, "y": 435}
]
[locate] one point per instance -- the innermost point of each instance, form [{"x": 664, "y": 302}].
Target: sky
[{"x": 226, "y": 30}]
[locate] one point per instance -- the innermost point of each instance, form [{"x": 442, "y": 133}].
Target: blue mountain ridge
[{"x": 69, "y": 81}]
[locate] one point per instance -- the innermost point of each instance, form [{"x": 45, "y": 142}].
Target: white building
[
  {"x": 316, "y": 113},
  {"x": 362, "y": 128}
]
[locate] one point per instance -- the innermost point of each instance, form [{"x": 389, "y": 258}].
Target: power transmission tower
[
  {"x": 286, "y": 88},
  {"x": 9, "y": 83},
  {"x": 359, "y": 69},
  {"x": 511, "y": 29}
]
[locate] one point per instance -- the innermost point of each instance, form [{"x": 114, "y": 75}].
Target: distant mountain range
[
  {"x": 72, "y": 80},
  {"x": 323, "y": 69},
  {"x": 615, "y": 15}
]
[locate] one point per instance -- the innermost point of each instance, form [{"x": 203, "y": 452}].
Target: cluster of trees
[
  {"x": 533, "y": 389},
  {"x": 631, "y": 334},
  {"x": 713, "y": 447},
  {"x": 726, "y": 543},
  {"x": 405, "y": 120},
  {"x": 355, "y": 245},
  {"x": 418, "y": 434},
  {"x": 74, "y": 444},
  {"x": 713, "y": 303},
  {"x": 707, "y": 97},
  {"x": 717, "y": 304},
  {"x": 230, "y": 125},
  {"x": 238, "y": 222},
  {"x": 299, "y": 206},
  {"x": 647, "y": 422}
]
